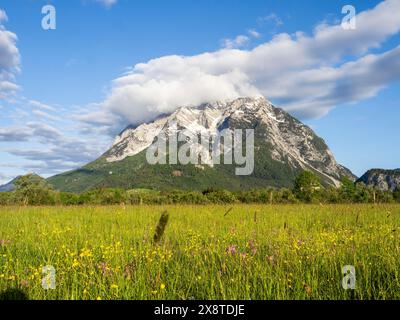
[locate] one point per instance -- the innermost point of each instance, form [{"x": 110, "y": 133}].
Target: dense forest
[{"x": 33, "y": 190}]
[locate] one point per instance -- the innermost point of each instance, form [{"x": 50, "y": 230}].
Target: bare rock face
[
  {"x": 279, "y": 137},
  {"x": 385, "y": 180}
]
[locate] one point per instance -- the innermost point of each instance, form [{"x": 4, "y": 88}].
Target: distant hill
[
  {"x": 284, "y": 147},
  {"x": 10, "y": 186},
  {"x": 385, "y": 180}
]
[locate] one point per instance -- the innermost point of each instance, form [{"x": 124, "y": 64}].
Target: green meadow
[{"x": 205, "y": 252}]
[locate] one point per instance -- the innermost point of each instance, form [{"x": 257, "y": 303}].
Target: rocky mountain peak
[
  {"x": 279, "y": 136},
  {"x": 385, "y": 180},
  {"x": 204, "y": 118}
]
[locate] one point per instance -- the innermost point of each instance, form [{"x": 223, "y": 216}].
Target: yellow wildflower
[{"x": 75, "y": 263}]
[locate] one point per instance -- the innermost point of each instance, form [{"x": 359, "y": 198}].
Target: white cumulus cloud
[
  {"x": 9, "y": 59},
  {"x": 3, "y": 16},
  {"x": 307, "y": 74}
]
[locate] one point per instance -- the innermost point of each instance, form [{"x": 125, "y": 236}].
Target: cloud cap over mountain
[{"x": 307, "y": 75}]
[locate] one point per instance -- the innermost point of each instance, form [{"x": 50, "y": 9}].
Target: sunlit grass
[{"x": 252, "y": 252}]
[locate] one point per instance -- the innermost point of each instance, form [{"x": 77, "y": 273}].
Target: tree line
[{"x": 33, "y": 190}]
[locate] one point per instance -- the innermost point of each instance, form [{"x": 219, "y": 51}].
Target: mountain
[
  {"x": 381, "y": 179},
  {"x": 8, "y": 186},
  {"x": 283, "y": 148}
]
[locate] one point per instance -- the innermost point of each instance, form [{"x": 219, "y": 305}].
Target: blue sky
[{"x": 64, "y": 93}]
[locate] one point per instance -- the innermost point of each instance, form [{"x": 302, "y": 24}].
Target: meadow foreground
[{"x": 206, "y": 252}]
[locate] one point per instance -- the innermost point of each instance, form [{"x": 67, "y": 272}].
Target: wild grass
[{"x": 253, "y": 252}]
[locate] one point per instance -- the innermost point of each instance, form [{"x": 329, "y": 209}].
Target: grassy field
[{"x": 207, "y": 252}]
